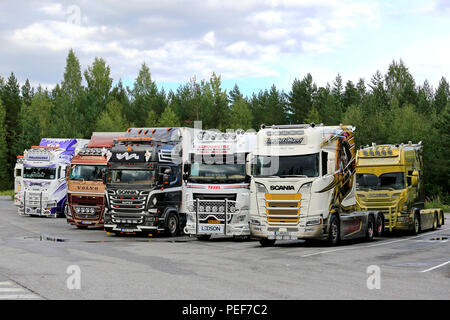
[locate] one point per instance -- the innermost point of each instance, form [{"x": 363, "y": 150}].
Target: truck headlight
[
  {"x": 190, "y": 208},
  {"x": 305, "y": 188},
  {"x": 260, "y": 187}
]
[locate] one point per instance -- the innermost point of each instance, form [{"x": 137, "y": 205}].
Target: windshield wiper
[{"x": 293, "y": 175}]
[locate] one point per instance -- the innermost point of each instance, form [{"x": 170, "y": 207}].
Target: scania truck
[
  {"x": 303, "y": 186},
  {"x": 389, "y": 179},
  {"x": 217, "y": 197},
  {"x": 44, "y": 176},
  {"x": 85, "y": 188},
  {"x": 144, "y": 182}
]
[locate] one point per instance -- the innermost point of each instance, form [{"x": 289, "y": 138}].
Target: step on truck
[
  {"x": 85, "y": 188},
  {"x": 389, "y": 179},
  {"x": 217, "y": 196},
  {"x": 303, "y": 186},
  {"x": 44, "y": 176},
  {"x": 143, "y": 182}
]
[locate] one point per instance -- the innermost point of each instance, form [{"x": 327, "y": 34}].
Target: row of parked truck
[{"x": 286, "y": 182}]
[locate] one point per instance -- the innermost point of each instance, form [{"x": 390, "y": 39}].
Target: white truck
[
  {"x": 44, "y": 191},
  {"x": 217, "y": 197},
  {"x": 303, "y": 186},
  {"x": 18, "y": 172}
]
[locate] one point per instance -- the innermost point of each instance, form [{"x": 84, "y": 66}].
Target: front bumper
[{"x": 260, "y": 229}]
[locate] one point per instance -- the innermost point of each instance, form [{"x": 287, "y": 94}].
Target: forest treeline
[{"x": 388, "y": 108}]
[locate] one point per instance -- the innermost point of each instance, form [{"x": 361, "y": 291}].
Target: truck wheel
[
  {"x": 172, "y": 227},
  {"x": 441, "y": 219},
  {"x": 204, "y": 237},
  {"x": 416, "y": 224},
  {"x": 370, "y": 229},
  {"x": 334, "y": 232},
  {"x": 380, "y": 225},
  {"x": 435, "y": 221},
  {"x": 267, "y": 242}
]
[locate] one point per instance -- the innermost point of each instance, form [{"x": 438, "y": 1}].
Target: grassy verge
[
  {"x": 7, "y": 193},
  {"x": 435, "y": 202}
]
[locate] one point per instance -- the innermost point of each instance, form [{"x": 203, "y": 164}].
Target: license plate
[
  {"x": 282, "y": 233},
  {"x": 129, "y": 230},
  {"x": 210, "y": 228}
]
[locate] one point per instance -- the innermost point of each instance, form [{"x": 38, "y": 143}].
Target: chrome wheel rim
[{"x": 172, "y": 224}]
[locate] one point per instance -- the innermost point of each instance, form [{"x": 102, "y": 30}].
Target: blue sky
[{"x": 252, "y": 43}]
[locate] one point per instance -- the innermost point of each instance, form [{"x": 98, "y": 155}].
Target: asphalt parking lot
[{"x": 45, "y": 258}]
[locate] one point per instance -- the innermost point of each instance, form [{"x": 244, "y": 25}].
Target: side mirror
[{"x": 248, "y": 165}]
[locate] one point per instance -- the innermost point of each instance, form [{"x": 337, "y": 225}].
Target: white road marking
[
  {"x": 11, "y": 290},
  {"x": 372, "y": 245},
  {"x": 19, "y": 296},
  {"x": 438, "y": 266}
]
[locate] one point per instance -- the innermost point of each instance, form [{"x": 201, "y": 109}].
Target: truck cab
[
  {"x": 217, "y": 195},
  {"x": 303, "y": 185},
  {"x": 85, "y": 188},
  {"x": 390, "y": 179},
  {"x": 143, "y": 182},
  {"x": 44, "y": 172}
]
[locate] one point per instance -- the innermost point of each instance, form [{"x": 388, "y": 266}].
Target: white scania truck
[
  {"x": 217, "y": 196},
  {"x": 303, "y": 186}
]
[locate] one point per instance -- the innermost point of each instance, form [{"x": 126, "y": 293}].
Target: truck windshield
[
  {"x": 131, "y": 176},
  {"x": 222, "y": 173},
  {"x": 285, "y": 166},
  {"x": 86, "y": 172},
  {"x": 392, "y": 180},
  {"x": 39, "y": 173}
]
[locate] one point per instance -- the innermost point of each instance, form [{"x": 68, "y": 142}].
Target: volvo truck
[
  {"x": 303, "y": 186},
  {"x": 44, "y": 176},
  {"x": 217, "y": 197},
  {"x": 85, "y": 188},
  {"x": 144, "y": 182},
  {"x": 389, "y": 179}
]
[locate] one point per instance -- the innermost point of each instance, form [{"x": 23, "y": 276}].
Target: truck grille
[
  {"x": 127, "y": 202},
  {"x": 383, "y": 204},
  {"x": 213, "y": 209},
  {"x": 283, "y": 209}
]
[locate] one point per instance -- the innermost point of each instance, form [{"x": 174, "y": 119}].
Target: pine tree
[
  {"x": 99, "y": 85},
  {"x": 12, "y": 103},
  {"x": 5, "y": 176},
  {"x": 112, "y": 119},
  {"x": 442, "y": 96},
  {"x": 168, "y": 118},
  {"x": 241, "y": 115},
  {"x": 301, "y": 98}
]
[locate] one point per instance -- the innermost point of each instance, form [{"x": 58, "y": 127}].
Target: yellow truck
[{"x": 389, "y": 179}]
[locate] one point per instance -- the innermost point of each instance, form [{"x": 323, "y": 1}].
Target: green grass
[
  {"x": 7, "y": 193},
  {"x": 435, "y": 202}
]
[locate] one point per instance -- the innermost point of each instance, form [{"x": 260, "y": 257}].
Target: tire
[
  {"x": 441, "y": 219},
  {"x": 435, "y": 221},
  {"x": 267, "y": 242},
  {"x": 172, "y": 225},
  {"x": 380, "y": 225},
  {"x": 370, "y": 229},
  {"x": 204, "y": 237},
  {"x": 334, "y": 234},
  {"x": 416, "y": 224}
]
